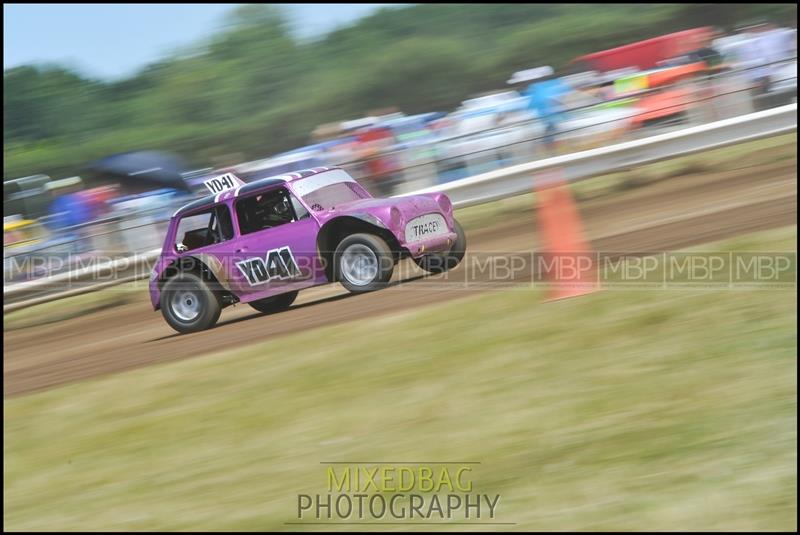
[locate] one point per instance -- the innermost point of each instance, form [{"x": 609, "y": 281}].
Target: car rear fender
[{"x": 208, "y": 266}]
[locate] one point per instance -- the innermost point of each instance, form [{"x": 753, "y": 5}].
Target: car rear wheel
[
  {"x": 441, "y": 262},
  {"x": 276, "y": 303},
  {"x": 363, "y": 263},
  {"x": 188, "y": 304}
]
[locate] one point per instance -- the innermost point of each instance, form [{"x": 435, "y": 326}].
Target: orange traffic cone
[{"x": 569, "y": 264}]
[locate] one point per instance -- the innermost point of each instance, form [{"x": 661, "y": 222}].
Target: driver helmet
[{"x": 282, "y": 207}]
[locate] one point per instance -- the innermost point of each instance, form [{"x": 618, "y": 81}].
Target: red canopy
[{"x": 646, "y": 54}]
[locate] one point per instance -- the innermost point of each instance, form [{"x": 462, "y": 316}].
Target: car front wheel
[
  {"x": 363, "y": 263},
  {"x": 188, "y": 304}
]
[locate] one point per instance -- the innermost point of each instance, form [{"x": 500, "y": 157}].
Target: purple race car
[{"x": 262, "y": 242}]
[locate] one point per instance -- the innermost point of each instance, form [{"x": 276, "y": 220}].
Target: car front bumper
[{"x": 437, "y": 244}]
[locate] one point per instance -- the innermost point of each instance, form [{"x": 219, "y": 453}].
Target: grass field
[
  {"x": 621, "y": 410},
  {"x": 74, "y": 306}
]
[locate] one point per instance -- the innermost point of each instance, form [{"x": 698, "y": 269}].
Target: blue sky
[{"x": 114, "y": 40}]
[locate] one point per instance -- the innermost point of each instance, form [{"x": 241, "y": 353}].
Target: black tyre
[
  {"x": 363, "y": 263},
  {"x": 441, "y": 262},
  {"x": 276, "y": 303},
  {"x": 188, "y": 304}
]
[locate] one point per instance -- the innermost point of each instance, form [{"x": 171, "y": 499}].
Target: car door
[{"x": 276, "y": 245}]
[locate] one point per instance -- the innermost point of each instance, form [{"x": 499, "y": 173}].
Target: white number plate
[
  {"x": 426, "y": 226},
  {"x": 222, "y": 183}
]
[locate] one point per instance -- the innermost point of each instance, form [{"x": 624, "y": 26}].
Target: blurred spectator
[
  {"x": 69, "y": 206},
  {"x": 765, "y": 46},
  {"x": 99, "y": 200},
  {"x": 375, "y": 144},
  {"x": 546, "y": 99},
  {"x": 728, "y": 44},
  {"x": 68, "y": 209},
  {"x": 780, "y": 43}
]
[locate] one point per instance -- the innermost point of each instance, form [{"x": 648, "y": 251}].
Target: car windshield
[{"x": 332, "y": 195}]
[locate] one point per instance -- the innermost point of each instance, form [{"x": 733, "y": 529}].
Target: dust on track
[{"x": 665, "y": 215}]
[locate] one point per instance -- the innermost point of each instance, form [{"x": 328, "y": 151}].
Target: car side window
[
  {"x": 203, "y": 229},
  {"x": 267, "y": 210},
  {"x": 299, "y": 210}
]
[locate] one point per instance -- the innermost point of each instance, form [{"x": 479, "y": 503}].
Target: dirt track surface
[{"x": 662, "y": 216}]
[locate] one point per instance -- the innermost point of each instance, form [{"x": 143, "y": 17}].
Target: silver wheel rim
[
  {"x": 185, "y": 304},
  {"x": 359, "y": 264}
]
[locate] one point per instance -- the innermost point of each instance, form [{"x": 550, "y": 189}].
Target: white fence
[{"x": 518, "y": 179}]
